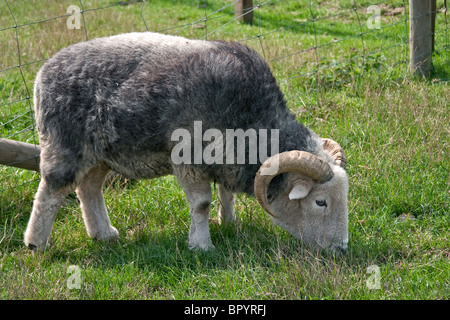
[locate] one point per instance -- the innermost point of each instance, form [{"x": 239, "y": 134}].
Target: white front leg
[
  {"x": 226, "y": 209},
  {"x": 199, "y": 237},
  {"x": 199, "y": 197}
]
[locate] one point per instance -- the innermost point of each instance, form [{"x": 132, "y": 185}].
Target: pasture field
[{"x": 393, "y": 127}]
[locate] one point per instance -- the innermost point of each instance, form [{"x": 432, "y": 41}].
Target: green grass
[{"x": 393, "y": 127}]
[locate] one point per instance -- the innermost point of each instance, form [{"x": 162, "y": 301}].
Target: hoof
[
  {"x": 32, "y": 247},
  {"x": 206, "y": 247},
  {"x": 110, "y": 235}
]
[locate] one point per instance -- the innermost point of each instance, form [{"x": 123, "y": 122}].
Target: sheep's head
[{"x": 313, "y": 206}]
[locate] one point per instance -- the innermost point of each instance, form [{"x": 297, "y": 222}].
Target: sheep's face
[
  {"x": 315, "y": 212},
  {"x": 313, "y": 203}
]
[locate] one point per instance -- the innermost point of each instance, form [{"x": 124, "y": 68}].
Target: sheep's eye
[{"x": 321, "y": 203}]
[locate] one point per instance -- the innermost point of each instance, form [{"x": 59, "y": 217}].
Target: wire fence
[{"x": 311, "y": 45}]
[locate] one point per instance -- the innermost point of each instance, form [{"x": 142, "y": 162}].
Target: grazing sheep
[{"x": 131, "y": 102}]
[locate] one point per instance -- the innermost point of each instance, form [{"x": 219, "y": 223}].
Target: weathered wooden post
[
  {"x": 27, "y": 156},
  {"x": 420, "y": 36},
  {"x": 243, "y": 11},
  {"x": 19, "y": 154},
  {"x": 433, "y": 22}
]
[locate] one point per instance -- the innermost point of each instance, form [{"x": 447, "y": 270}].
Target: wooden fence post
[
  {"x": 420, "y": 36},
  {"x": 19, "y": 154},
  {"x": 433, "y": 22},
  {"x": 243, "y": 11}
]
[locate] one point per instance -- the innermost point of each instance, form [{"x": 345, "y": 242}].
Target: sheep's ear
[{"x": 300, "y": 189}]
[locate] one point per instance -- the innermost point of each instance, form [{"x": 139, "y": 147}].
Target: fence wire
[{"x": 321, "y": 57}]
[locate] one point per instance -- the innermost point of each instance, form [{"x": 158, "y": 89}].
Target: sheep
[{"x": 139, "y": 103}]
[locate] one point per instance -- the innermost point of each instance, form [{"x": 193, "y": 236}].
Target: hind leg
[
  {"x": 59, "y": 169},
  {"x": 46, "y": 204},
  {"x": 226, "y": 209},
  {"x": 95, "y": 215}
]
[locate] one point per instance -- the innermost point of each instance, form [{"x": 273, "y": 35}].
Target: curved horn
[
  {"x": 336, "y": 152},
  {"x": 289, "y": 161}
]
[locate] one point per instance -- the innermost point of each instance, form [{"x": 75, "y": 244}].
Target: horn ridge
[
  {"x": 290, "y": 161},
  {"x": 336, "y": 152}
]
